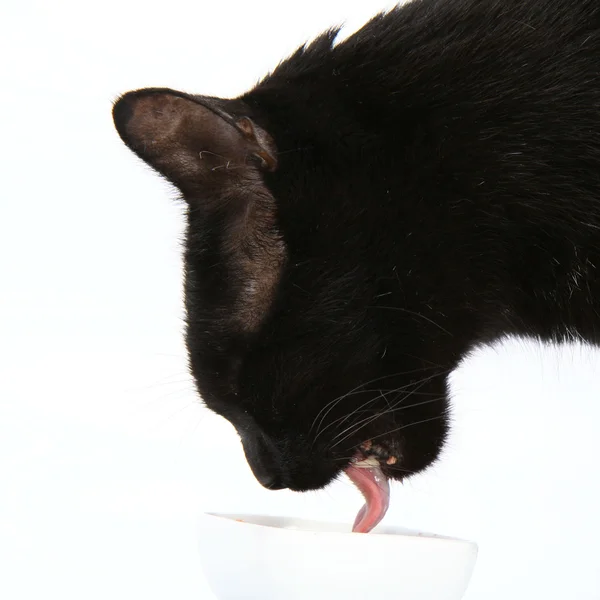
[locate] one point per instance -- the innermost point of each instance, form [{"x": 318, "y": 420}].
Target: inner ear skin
[
  {"x": 192, "y": 144},
  {"x": 216, "y": 158},
  {"x": 180, "y": 138}
]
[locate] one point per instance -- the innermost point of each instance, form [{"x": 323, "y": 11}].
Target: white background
[{"x": 106, "y": 456}]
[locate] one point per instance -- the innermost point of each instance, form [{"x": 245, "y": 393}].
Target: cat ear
[{"x": 195, "y": 142}]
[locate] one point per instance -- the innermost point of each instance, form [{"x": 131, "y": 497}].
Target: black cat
[{"x": 375, "y": 209}]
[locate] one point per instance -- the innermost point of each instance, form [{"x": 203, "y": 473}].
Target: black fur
[{"x": 437, "y": 187}]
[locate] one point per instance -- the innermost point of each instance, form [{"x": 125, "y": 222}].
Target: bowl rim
[{"x": 382, "y": 531}]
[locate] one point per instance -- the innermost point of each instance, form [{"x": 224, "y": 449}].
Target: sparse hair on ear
[
  {"x": 216, "y": 157},
  {"x": 192, "y": 140}
]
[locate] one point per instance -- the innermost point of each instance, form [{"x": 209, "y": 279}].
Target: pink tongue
[{"x": 376, "y": 489}]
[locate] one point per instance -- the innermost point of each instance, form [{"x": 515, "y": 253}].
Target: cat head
[{"x": 302, "y": 326}]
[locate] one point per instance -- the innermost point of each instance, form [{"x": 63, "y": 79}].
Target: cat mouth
[{"x": 365, "y": 471}]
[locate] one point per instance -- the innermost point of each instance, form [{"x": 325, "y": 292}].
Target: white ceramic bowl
[{"x": 278, "y": 558}]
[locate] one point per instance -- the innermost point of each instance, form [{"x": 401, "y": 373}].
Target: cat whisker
[
  {"x": 350, "y": 431},
  {"x": 364, "y": 408},
  {"x": 360, "y": 409},
  {"x": 416, "y": 383},
  {"x": 415, "y": 313},
  {"x": 437, "y": 417},
  {"x": 294, "y": 150},
  {"x": 397, "y": 467},
  {"x": 321, "y": 429},
  {"x": 355, "y": 427},
  {"x": 329, "y": 406},
  {"x": 211, "y": 153}
]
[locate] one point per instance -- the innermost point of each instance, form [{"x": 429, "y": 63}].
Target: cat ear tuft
[{"x": 192, "y": 140}]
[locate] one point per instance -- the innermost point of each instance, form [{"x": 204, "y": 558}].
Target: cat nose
[{"x": 264, "y": 459}]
